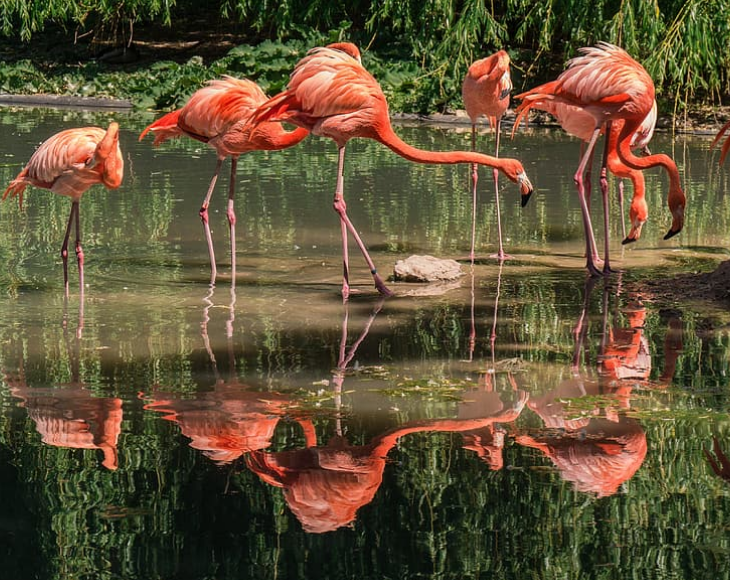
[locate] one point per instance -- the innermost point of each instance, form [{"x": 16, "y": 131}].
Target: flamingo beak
[
  {"x": 671, "y": 234},
  {"x": 525, "y": 187}
]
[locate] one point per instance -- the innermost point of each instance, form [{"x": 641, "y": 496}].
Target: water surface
[{"x": 520, "y": 422}]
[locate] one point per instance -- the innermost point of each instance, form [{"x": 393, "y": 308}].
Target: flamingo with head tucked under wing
[
  {"x": 69, "y": 163},
  {"x": 485, "y": 91}
]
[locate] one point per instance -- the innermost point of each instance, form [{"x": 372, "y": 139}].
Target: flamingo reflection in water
[
  {"x": 719, "y": 463},
  {"x": 231, "y": 418},
  {"x": 69, "y": 415},
  {"x": 326, "y": 485},
  {"x": 598, "y": 448}
]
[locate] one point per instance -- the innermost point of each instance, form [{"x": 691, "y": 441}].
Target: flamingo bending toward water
[
  {"x": 69, "y": 163},
  {"x": 485, "y": 91},
  {"x": 218, "y": 115},
  {"x": 609, "y": 85},
  {"x": 332, "y": 95},
  {"x": 575, "y": 121}
]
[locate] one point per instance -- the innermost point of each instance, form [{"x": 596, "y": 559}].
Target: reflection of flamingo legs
[
  {"x": 338, "y": 374},
  {"x": 581, "y": 327}
]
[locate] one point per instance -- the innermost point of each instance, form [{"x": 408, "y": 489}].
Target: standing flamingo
[
  {"x": 485, "y": 91},
  {"x": 218, "y": 115},
  {"x": 332, "y": 95},
  {"x": 69, "y": 163},
  {"x": 609, "y": 85},
  {"x": 575, "y": 121}
]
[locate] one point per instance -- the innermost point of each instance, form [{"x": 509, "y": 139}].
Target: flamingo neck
[
  {"x": 286, "y": 139},
  {"x": 641, "y": 163},
  {"x": 383, "y": 132}
]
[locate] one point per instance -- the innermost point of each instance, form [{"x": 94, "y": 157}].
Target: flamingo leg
[
  {"x": 474, "y": 179},
  {"x": 231, "y": 213},
  {"x": 606, "y": 218},
  {"x": 341, "y": 208},
  {"x": 75, "y": 207},
  {"x": 587, "y": 226},
  {"x": 64, "y": 247},
  {"x": 204, "y": 218},
  {"x": 493, "y": 336},
  {"x": 588, "y": 185},
  {"x": 621, "y": 206},
  {"x": 500, "y": 255}
]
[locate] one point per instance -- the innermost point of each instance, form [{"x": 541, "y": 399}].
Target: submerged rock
[{"x": 426, "y": 269}]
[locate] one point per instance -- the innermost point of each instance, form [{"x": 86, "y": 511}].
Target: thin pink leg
[
  {"x": 606, "y": 217},
  {"x": 64, "y": 248},
  {"x": 79, "y": 250},
  {"x": 204, "y": 218},
  {"x": 500, "y": 255},
  {"x": 341, "y": 208},
  {"x": 621, "y": 206},
  {"x": 231, "y": 213},
  {"x": 474, "y": 179},
  {"x": 588, "y": 228}
]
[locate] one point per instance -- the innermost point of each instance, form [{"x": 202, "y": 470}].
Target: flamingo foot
[
  {"x": 380, "y": 285},
  {"x": 592, "y": 270},
  {"x": 501, "y": 256}
]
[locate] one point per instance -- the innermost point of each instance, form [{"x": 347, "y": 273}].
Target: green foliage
[{"x": 419, "y": 50}]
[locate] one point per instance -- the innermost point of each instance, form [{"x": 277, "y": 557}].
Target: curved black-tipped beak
[
  {"x": 671, "y": 234},
  {"x": 628, "y": 240},
  {"x": 526, "y": 197}
]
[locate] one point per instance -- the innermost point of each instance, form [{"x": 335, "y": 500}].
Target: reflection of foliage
[{"x": 168, "y": 512}]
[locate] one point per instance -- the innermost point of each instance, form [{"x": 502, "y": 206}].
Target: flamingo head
[
  {"x": 108, "y": 158},
  {"x": 514, "y": 171},
  {"x": 638, "y": 214},
  {"x": 676, "y": 202}
]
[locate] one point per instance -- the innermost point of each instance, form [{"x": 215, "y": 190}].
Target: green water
[{"x": 160, "y": 428}]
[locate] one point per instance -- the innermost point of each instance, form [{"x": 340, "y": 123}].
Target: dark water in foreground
[{"x": 519, "y": 423}]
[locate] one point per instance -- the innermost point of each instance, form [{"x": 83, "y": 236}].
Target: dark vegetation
[{"x": 156, "y": 53}]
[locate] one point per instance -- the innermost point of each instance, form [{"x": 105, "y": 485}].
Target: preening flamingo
[
  {"x": 69, "y": 163},
  {"x": 485, "y": 91},
  {"x": 332, "y": 95},
  {"x": 609, "y": 85},
  {"x": 218, "y": 115}
]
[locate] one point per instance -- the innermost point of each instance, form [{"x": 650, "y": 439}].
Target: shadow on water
[{"x": 518, "y": 419}]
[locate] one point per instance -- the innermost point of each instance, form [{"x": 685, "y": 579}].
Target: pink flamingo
[
  {"x": 332, "y": 95},
  {"x": 69, "y": 163},
  {"x": 485, "y": 91},
  {"x": 609, "y": 85},
  {"x": 218, "y": 115}
]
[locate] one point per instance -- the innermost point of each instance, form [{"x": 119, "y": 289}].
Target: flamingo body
[
  {"x": 607, "y": 84},
  {"x": 485, "y": 91},
  {"x": 218, "y": 114},
  {"x": 69, "y": 163},
  {"x": 330, "y": 94}
]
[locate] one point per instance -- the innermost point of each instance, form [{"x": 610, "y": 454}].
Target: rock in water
[{"x": 426, "y": 269}]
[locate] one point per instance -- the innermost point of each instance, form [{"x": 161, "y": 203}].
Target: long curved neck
[
  {"x": 383, "y": 132},
  {"x": 641, "y": 163},
  {"x": 286, "y": 139}
]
